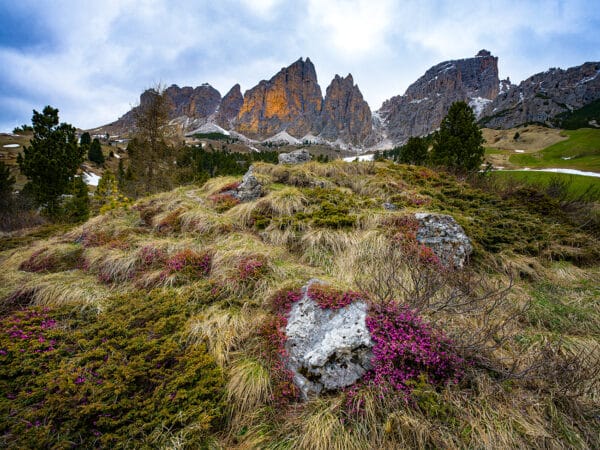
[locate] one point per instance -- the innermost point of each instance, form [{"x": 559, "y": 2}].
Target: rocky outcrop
[
  {"x": 345, "y": 115},
  {"x": 230, "y": 107},
  {"x": 327, "y": 349},
  {"x": 425, "y": 103},
  {"x": 195, "y": 103},
  {"x": 442, "y": 234},
  {"x": 295, "y": 157},
  {"x": 289, "y": 101},
  {"x": 249, "y": 189},
  {"x": 543, "y": 96}
]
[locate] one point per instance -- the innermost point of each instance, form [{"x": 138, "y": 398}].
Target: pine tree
[
  {"x": 95, "y": 152},
  {"x": 77, "y": 209},
  {"x": 52, "y": 159},
  {"x": 414, "y": 152},
  {"x": 458, "y": 143},
  {"x": 7, "y": 182},
  {"x": 85, "y": 140}
]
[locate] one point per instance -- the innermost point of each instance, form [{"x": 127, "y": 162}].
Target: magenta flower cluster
[
  {"x": 250, "y": 268},
  {"x": 189, "y": 260},
  {"x": 328, "y": 298},
  {"x": 150, "y": 255},
  {"x": 407, "y": 348}
]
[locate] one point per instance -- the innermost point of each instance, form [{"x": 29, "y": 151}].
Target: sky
[{"x": 92, "y": 59}]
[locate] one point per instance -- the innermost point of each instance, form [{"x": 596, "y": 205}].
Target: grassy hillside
[
  {"x": 571, "y": 186},
  {"x": 157, "y": 325},
  {"x": 580, "y": 151}
]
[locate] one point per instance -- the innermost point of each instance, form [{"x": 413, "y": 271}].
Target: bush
[{"x": 121, "y": 378}]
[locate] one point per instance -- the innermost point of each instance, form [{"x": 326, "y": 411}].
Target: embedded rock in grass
[
  {"x": 295, "y": 157},
  {"x": 445, "y": 237},
  {"x": 327, "y": 349},
  {"x": 249, "y": 189}
]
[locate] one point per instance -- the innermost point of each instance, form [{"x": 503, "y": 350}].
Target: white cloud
[
  {"x": 261, "y": 8},
  {"x": 354, "y": 27}
]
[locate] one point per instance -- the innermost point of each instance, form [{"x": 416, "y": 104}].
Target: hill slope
[{"x": 159, "y": 323}]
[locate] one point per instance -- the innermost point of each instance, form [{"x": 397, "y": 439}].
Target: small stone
[
  {"x": 390, "y": 206},
  {"x": 249, "y": 189},
  {"x": 442, "y": 234},
  {"x": 295, "y": 157}
]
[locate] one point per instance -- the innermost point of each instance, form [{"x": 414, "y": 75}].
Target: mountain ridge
[{"x": 292, "y": 101}]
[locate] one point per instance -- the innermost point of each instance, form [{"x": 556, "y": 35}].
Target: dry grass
[
  {"x": 223, "y": 329},
  {"x": 248, "y": 388}
]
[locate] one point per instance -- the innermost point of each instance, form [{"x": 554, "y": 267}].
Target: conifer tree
[
  {"x": 77, "y": 209},
  {"x": 7, "y": 182},
  {"x": 458, "y": 143},
  {"x": 95, "y": 152},
  {"x": 414, "y": 152},
  {"x": 51, "y": 161}
]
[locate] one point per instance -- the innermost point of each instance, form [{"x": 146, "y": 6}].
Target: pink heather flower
[{"x": 80, "y": 380}]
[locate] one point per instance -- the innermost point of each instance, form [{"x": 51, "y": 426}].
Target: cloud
[
  {"x": 353, "y": 27},
  {"x": 261, "y": 8},
  {"x": 92, "y": 60}
]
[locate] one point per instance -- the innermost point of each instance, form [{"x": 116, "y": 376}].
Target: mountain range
[{"x": 290, "y": 107}]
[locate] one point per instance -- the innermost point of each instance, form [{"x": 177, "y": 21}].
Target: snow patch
[
  {"x": 368, "y": 157},
  {"x": 11, "y": 145},
  {"x": 283, "y": 137},
  {"x": 478, "y": 104},
  {"x": 588, "y": 79},
  {"x": 209, "y": 128},
  {"x": 419, "y": 100},
  {"x": 566, "y": 158},
  {"x": 519, "y": 151},
  {"x": 91, "y": 179},
  {"x": 558, "y": 170}
]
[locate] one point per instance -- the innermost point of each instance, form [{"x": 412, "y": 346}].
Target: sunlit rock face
[{"x": 290, "y": 101}]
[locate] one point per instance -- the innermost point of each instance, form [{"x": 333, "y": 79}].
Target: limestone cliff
[
  {"x": 231, "y": 104},
  {"x": 345, "y": 115},
  {"x": 289, "y": 101},
  {"x": 541, "y": 97},
  {"x": 425, "y": 103}
]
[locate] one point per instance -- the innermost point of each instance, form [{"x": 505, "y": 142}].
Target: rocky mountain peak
[
  {"x": 345, "y": 114},
  {"x": 541, "y": 97},
  {"x": 230, "y": 107},
  {"x": 291, "y": 100},
  {"x": 425, "y": 103}
]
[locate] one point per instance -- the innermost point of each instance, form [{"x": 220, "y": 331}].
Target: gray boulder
[
  {"x": 445, "y": 237},
  {"x": 249, "y": 189},
  {"x": 295, "y": 157},
  {"x": 327, "y": 349}
]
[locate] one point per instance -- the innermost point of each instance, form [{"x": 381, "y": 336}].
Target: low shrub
[
  {"x": 121, "y": 378},
  {"x": 57, "y": 259},
  {"x": 189, "y": 263},
  {"x": 223, "y": 202}
]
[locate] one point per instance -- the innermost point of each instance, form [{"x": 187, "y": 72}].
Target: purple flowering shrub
[
  {"x": 406, "y": 348},
  {"x": 101, "y": 380},
  {"x": 45, "y": 260},
  {"x": 327, "y": 297},
  {"x": 223, "y": 202},
  {"x": 188, "y": 264},
  {"x": 251, "y": 268}
]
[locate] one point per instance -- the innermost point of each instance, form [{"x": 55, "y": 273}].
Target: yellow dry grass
[{"x": 223, "y": 329}]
